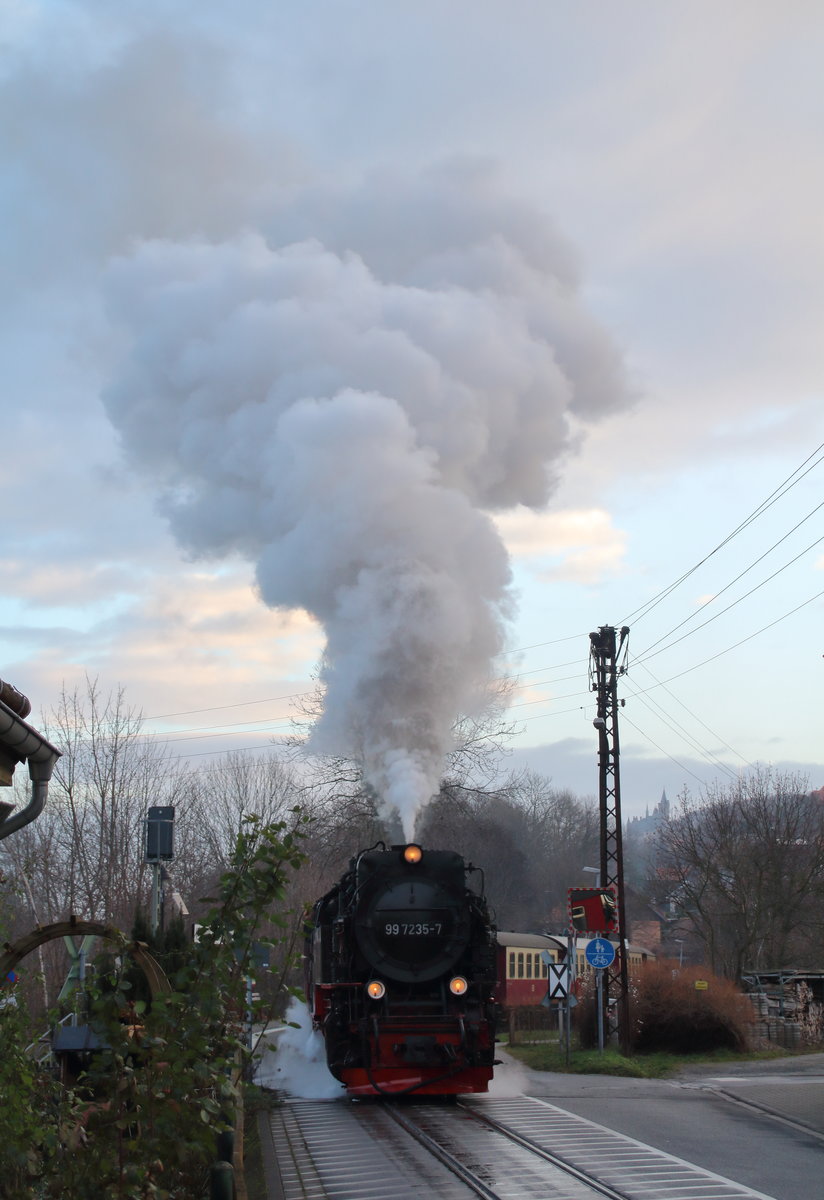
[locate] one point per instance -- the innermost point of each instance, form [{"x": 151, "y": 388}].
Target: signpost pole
[
  {"x": 159, "y": 832},
  {"x": 570, "y": 957},
  {"x": 155, "y": 905},
  {"x": 600, "y": 954},
  {"x": 599, "y": 992}
]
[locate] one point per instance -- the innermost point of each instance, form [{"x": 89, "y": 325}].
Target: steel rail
[
  {"x": 443, "y": 1156},
  {"x": 526, "y": 1143}
]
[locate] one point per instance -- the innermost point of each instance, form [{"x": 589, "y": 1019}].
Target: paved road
[
  {"x": 792, "y": 1088},
  {"x": 761, "y": 1124}
]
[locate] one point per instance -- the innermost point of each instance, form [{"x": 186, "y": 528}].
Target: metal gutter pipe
[{"x": 21, "y": 743}]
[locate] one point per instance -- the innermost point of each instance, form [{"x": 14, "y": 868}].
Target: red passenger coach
[{"x": 522, "y": 973}]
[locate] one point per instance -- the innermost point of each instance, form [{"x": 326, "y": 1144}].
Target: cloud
[
  {"x": 585, "y": 541},
  {"x": 139, "y": 141},
  {"x": 45, "y": 585},
  {"x": 196, "y": 631}
]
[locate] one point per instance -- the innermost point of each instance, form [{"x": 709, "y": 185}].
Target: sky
[{"x": 402, "y": 346}]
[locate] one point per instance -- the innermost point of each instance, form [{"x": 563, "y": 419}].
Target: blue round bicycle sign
[{"x": 600, "y": 953}]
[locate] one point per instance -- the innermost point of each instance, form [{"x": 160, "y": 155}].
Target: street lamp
[{"x": 596, "y": 871}]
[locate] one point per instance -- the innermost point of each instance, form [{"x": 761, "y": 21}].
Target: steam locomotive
[{"x": 400, "y": 974}]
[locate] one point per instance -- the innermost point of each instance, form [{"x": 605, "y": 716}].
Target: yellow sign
[{"x": 701, "y": 985}]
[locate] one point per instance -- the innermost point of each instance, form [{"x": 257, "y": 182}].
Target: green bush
[
  {"x": 28, "y": 1144},
  {"x": 142, "y": 1119}
]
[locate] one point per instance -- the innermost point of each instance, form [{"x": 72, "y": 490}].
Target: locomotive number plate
[{"x": 416, "y": 929}]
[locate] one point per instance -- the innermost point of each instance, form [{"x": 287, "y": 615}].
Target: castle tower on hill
[{"x": 639, "y": 827}]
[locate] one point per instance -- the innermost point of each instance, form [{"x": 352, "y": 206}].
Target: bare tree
[
  {"x": 84, "y": 854},
  {"x": 562, "y": 835},
  {"x": 746, "y": 864},
  {"x": 219, "y": 797}
]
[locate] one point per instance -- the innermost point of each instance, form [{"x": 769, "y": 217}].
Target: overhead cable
[
  {"x": 749, "y": 638},
  {"x": 677, "y": 728},
  {"x": 661, "y": 749},
  {"x": 797, "y": 475},
  {"x": 646, "y": 654},
  {"x": 694, "y": 716}
]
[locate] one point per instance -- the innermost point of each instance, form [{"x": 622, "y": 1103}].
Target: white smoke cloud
[
  {"x": 342, "y": 409},
  {"x": 293, "y": 1059}
]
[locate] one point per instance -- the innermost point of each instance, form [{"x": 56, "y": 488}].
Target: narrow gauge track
[
  {"x": 515, "y": 1174},
  {"x": 378, "y": 1151},
  {"x": 492, "y": 1148}
]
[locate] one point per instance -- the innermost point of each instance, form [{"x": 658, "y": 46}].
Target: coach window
[
  {"x": 529, "y": 966},
  {"x": 520, "y": 965},
  {"x": 512, "y": 965},
  {"x": 544, "y": 970}
]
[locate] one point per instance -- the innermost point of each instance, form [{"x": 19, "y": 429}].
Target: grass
[{"x": 549, "y": 1057}]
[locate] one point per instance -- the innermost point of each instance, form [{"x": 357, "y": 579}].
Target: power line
[
  {"x": 196, "y": 737},
  {"x": 639, "y": 613},
  {"x": 661, "y": 749},
  {"x": 647, "y": 655},
  {"x": 548, "y": 699},
  {"x": 749, "y": 638},
  {"x": 741, "y": 575},
  {"x": 189, "y": 712},
  {"x": 555, "y": 642},
  {"x": 575, "y": 662},
  {"x": 546, "y": 715},
  {"x": 231, "y": 750},
  {"x": 676, "y": 727},
  {"x": 171, "y": 734},
  {"x": 694, "y": 716}
]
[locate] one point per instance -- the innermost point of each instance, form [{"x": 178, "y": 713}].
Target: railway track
[{"x": 497, "y": 1149}]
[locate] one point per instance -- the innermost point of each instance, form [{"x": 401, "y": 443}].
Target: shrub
[
  {"x": 28, "y": 1144},
  {"x": 668, "y": 1012},
  {"x": 141, "y": 1120}
]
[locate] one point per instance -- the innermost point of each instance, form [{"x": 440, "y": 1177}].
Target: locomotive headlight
[
  {"x": 375, "y": 990},
  {"x": 413, "y": 854},
  {"x": 458, "y": 985}
]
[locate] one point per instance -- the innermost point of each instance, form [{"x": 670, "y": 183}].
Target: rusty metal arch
[{"x": 15, "y": 951}]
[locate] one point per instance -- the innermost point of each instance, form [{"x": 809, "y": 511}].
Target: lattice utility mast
[{"x": 604, "y": 668}]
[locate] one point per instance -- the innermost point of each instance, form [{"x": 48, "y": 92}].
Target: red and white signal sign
[{"x": 593, "y": 910}]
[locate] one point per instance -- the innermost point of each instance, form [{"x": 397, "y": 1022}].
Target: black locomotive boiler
[{"x": 400, "y": 974}]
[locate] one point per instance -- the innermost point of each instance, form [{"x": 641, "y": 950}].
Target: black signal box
[{"x": 160, "y": 834}]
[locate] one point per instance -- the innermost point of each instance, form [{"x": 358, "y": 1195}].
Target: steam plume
[{"x": 341, "y": 401}]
